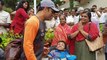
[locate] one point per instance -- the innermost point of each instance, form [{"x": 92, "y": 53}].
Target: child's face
[{"x": 60, "y": 46}]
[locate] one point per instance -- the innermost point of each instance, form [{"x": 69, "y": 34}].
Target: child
[
  {"x": 61, "y": 52},
  {"x": 31, "y": 12}
]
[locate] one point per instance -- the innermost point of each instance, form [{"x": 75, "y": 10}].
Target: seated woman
[
  {"x": 61, "y": 52},
  {"x": 60, "y": 33}
]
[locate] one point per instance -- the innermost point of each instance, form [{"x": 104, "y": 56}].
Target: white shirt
[
  {"x": 57, "y": 21},
  {"x": 94, "y": 15},
  {"x": 76, "y": 19},
  {"x": 52, "y": 23},
  {"x": 94, "y": 20},
  {"x": 4, "y": 18},
  {"x": 103, "y": 18},
  {"x": 69, "y": 19}
]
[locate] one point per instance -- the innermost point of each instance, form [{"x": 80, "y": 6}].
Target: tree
[
  {"x": 10, "y": 3},
  {"x": 71, "y": 4}
]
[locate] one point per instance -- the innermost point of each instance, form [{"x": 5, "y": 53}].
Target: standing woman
[
  {"x": 85, "y": 29},
  {"x": 21, "y": 16}
]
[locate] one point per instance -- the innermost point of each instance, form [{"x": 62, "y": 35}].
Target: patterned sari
[{"x": 60, "y": 33}]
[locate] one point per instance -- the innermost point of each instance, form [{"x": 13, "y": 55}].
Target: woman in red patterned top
[
  {"x": 21, "y": 16},
  {"x": 85, "y": 29}
]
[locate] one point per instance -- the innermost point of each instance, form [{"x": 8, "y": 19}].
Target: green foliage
[
  {"x": 101, "y": 27},
  {"x": 58, "y": 2},
  {"x": 8, "y": 9},
  {"x": 7, "y": 37},
  {"x": 10, "y": 4},
  {"x": 49, "y": 35},
  {"x": 71, "y": 4}
]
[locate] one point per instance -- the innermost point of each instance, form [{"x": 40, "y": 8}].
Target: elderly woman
[
  {"x": 61, "y": 32},
  {"x": 85, "y": 29}
]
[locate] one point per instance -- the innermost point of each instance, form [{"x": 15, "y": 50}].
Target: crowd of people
[{"x": 71, "y": 28}]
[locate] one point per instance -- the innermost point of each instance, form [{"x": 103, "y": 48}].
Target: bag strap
[{"x": 38, "y": 22}]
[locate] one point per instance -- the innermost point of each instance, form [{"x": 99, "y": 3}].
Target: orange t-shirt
[{"x": 31, "y": 29}]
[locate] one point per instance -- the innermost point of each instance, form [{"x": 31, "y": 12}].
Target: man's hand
[{"x": 46, "y": 50}]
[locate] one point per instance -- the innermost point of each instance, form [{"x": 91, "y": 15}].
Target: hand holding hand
[{"x": 80, "y": 26}]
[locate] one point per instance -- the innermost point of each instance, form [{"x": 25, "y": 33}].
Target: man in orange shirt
[{"x": 35, "y": 30}]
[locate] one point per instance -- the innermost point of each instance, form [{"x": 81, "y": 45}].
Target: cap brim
[{"x": 55, "y": 10}]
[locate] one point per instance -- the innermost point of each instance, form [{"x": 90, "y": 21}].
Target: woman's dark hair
[
  {"x": 64, "y": 43},
  {"x": 20, "y": 5},
  {"x": 88, "y": 14},
  {"x": 2, "y": 2}
]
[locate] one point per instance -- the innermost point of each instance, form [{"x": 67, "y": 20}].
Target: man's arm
[
  {"x": 31, "y": 29},
  {"x": 6, "y": 25},
  {"x": 8, "y": 21}
]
